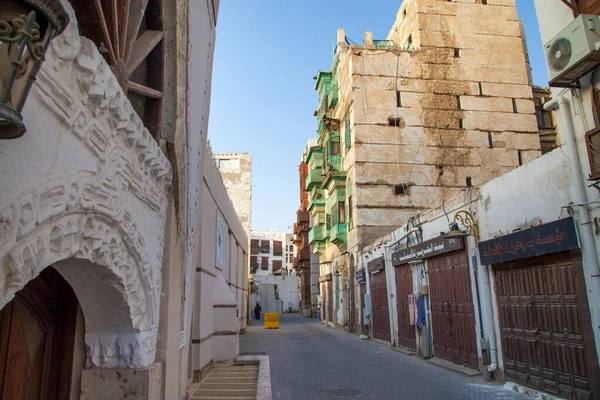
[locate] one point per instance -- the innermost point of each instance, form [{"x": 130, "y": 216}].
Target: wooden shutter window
[
  {"x": 265, "y": 246},
  {"x": 253, "y": 262},
  {"x": 277, "y": 264},
  {"x": 264, "y": 263},
  {"x": 277, "y": 248},
  {"x": 254, "y": 246}
]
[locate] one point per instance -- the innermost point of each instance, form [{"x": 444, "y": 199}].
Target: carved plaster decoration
[
  {"x": 86, "y": 220},
  {"x": 93, "y": 217}
]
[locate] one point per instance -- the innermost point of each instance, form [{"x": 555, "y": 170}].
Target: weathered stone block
[
  {"x": 528, "y": 155},
  {"x": 499, "y": 157},
  {"x": 525, "y": 106},
  {"x": 389, "y": 173},
  {"x": 480, "y": 103},
  {"x": 516, "y": 141},
  {"x": 506, "y": 90},
  {"x": 493, "y": 121}
]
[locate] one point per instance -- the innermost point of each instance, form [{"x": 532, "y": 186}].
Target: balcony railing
[
  {"x": 338, "y": 236},
  {"x": 314, "y": 178},
  {"x": 317, "y": 234},
  {"x": 302, "y": 217},
  {"x": 316, "y": 203}
]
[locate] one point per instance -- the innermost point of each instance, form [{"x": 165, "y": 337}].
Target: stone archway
[{"x": 110, "y": 273}]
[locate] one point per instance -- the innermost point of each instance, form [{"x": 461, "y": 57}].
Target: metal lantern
[{"x": 26, "y": 29}]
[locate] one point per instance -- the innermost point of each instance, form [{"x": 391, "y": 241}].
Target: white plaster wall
[
  {"x": 215, "y": 334},
  {"x": 288, "y": 286},
  {"x": 86, "y": 177}
]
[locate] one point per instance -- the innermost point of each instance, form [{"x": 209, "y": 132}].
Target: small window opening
[
  {"x": 457, "y": 53},
  {"x": 469, "y": 181},
  {"x": 400, "y": 190},
  {"x": 458, "y": 106},
  {"x": 480, "y": 89},
  {"x": 461, "y": 124},
  {"x": 490, "y": 141},
  {"x": 398, "y": 99},
  {"x": 520, "y": 155},
  {"x": 484, "y": 2},
  {"x": 404, "y": 12},
  {"x": 394, "y": 121},
  {"x": 514, "y": 104},
  {"x": 409, "y": 42}
]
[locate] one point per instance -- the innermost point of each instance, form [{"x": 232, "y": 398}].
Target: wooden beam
[
  {"x": 142, "y": 47},
  {"x": 106, "y": 33},
  {"x": 144, "y": 90},
  {"x": 115, "y": 23},
  {"x": 124, "y": 27},
  {"x": 136, "y": 15}
]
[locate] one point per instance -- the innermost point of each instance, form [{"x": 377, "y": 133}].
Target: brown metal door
[
  {"x": 380, "y": 315},
  {"x": 547, "y": 338},
  {"x": 330, "y": 301},
  {"x": 36, "y": 340},
  {"x": 352, "y": 318},
  {"x": 406, "y": 331},
  {"x": 452, "y": 312},
  {"x": 364, "y": 329}
]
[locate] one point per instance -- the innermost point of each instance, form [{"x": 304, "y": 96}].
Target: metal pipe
[{"x": 579, "y": 194}]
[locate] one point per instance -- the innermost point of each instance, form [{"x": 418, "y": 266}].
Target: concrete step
[
  {"x": 228, "y": 381},
  {"x": 219, "y": 393},
  {"x": 228, "y": 385}
]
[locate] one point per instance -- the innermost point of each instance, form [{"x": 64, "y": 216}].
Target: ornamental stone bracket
[{"x": 85, "y": 190}]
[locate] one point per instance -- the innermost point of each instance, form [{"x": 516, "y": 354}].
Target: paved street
[{"x": 312, "y": 362}]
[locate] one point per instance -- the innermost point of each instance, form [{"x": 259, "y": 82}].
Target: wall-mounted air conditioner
[{"x": 574, "y": 51}]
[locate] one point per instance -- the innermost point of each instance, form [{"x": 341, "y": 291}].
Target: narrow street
[{"x": 310, "y": 361}]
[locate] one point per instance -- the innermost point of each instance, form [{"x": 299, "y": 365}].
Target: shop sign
[
  {"x": 361, "y": 276},
  {"x": 376, "y": 265},
  {"x": 548, "y": 238},
  {"x": 430, "y": 248}
]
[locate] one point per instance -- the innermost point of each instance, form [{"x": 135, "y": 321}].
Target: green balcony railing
[
  {"x": 314, "y": 178},
  {"x": 336, "y": 162},
  {"x": 317, "y": 234},
  {"x": 338, "y": 235},
  {"x": 316, "y": 203}
]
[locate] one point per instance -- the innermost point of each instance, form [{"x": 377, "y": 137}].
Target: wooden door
[
  {"x": 404, "y": 287},
  {"x": 364, "y": 329},
  {"x": 37, "y": 330},
  {"x": 379, "y": 307},
  {"x": 452, "y": 310},
  {"x": 547, "y": 337}
]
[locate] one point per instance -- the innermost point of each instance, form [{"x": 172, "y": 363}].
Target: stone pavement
[{"x": 312, "y": 362}]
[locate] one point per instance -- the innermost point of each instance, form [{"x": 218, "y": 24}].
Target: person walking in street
[{"x": 257, "y": 311}]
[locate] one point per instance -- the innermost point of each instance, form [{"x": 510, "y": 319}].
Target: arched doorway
[{"x": 37, "y": 336}]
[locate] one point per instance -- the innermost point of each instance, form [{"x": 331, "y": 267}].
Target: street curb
[
  {"x": 263, "y": 385},
  {"x": 450, "y": 366}
]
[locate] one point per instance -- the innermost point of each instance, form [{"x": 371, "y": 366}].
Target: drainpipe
[
  {"x": 487, "y": 319},
  {"x": 584, "y": 225}
]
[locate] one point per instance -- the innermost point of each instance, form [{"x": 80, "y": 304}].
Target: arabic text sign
[
  {"x": 544, "y": 239},
  {"x": 426, "y": 249}
]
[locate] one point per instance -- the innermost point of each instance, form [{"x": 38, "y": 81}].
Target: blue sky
[{"x": 266, "y": 55}]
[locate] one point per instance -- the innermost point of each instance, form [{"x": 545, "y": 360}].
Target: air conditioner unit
[{"x": 574, "y": 51}]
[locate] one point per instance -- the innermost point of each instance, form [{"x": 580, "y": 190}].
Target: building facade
[
  {"x": 236, "y": 171},
  {"x": 407, "y": 122},
  {"x": 306, "y": 264},
  {"x": 268, "y": 265},
  {"x": 100, "y": 237}
]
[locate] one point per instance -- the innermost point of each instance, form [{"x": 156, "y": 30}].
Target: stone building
[
  {"x": 442, "y": 104},
  {"x": 306, "y": 264},
  {"x": 236, "y": 171},
  {"x": 100, "y": 209}
]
